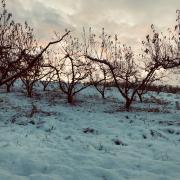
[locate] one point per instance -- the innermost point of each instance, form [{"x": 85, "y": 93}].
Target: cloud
[
  {"x": 42, "y": 18},
  {"x": 130, "y": 19}
]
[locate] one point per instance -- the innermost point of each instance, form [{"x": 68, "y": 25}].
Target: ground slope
[{"x": 45, "y": 138}]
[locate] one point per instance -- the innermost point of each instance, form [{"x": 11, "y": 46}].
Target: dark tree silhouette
[
  {"x": 122, "y": 64},
  {"x": 99, "y": 77},
  {"x": 71, "y": 68},
  {"x": 16, "y": 45}
]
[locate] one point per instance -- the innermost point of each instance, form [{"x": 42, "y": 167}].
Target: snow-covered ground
[{"x": 44, "y": 138}]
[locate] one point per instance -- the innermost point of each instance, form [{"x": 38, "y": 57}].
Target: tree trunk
[
  {"x": 128, "y": 104},
  {"x": 29, "y": 91},
  {"x": 103, "y": 95},
  {"x": 70, "y": 98},
  {"x": 140, "y": 97},
  {"x": 8, "y": 88},
  {"x": 44, "y": 88}
]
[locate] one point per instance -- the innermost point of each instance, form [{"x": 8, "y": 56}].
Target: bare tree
[
  {"x": 122, "y": 64},
  {"x": 157, "y": 77},
  {"x": 14, "y": 41},
  {"x": 71, "y": 67},
  {"x": 164, "y": 49},
  {"x": 99, "y": 77},
  {"x": 36, "y": 74},
  {"x": 49, "y": 76},
  {"x": 31, "y": 77}
]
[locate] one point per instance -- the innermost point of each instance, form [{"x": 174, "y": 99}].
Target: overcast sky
[{"x": 130, "y": 19}]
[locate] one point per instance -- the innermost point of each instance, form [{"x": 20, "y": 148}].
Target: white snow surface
[{"x": 91, "y": 140}]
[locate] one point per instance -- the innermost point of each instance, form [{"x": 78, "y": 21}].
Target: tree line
[{"x": 93, "y": 60}]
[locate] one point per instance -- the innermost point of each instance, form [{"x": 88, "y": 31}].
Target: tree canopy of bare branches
[
  {"x": 17, "y": 44},
  {"x": 122, "y": 64}
]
